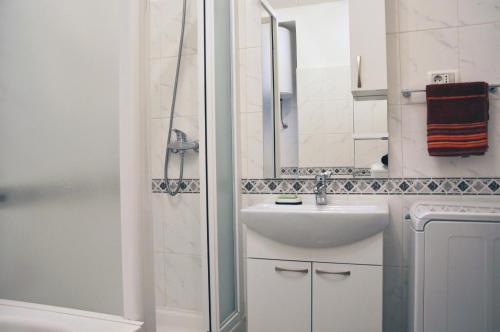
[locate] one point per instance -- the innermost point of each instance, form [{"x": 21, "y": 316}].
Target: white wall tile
[
  {"x": 478, "y": 11},
  {"x": 170, "y": 24},
  {"x": 255, "y": 145},
  {"x": 243, "y": 145},
  {"x": 255, "y": 157},
  {"x": 393, "y": 70},
  {"x": 395, "y": 141},
  {"x": 424, "y": 51},
  {"x": 182, "y": 224},
  {"x": 253, "y": 10},
  {"x": 187, "y": 90},
  {"x": 370, "y": 116},
  {"x": 323, "y": 84},
  {"x": 427, "y": 14},
  {"x": 369, "y": 152},
  {"x": 155, "y": 29},
  {"x": 312, "y": 151},
  {"x": 155, "y": 92},
  {"x": 240, "y": 23},
  {"x": 183, "y": 276},
  {"x": 326, "y": 117},
  {"x": 336, "y": 82},
  {"x": 253, "y": 74},
  {"x": 158, "y": 222},
  {"x": 160, "y": 281},
  {"x": 480, "y": 53},
  {"x": 177, "y": 223},
  {"x": 241, "y": 80},
  {"x": 309, "y": 85}
]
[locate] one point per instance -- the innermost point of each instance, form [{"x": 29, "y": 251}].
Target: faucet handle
[{"x": 323, "y": 176}]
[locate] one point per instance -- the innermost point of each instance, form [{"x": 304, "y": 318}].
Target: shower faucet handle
[
  {"x": 182, "y": 144},
  {"x": 181, "y": 136}
]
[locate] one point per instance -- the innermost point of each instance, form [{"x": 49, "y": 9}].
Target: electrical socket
[{"x": 443, "y": 76}]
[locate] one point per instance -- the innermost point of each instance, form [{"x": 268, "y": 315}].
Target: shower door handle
[{"x": 358, "y": 60}]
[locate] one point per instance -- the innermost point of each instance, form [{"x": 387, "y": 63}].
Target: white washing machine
[{"x": 454, "y": 276}]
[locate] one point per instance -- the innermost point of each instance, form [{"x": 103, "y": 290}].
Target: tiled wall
[
  {"x": 432, "y": 35},
  {"x": 176, "y": 219},
  {"x": 424, "y": 35},
  {"x": 325, "y": 116}
]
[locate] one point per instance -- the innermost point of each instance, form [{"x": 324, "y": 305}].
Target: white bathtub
[{"x": 27, "y": 317}]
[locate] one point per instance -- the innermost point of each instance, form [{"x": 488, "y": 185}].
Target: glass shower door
[
  {"x": 224, "y": 155},
  {"x": 60, "y": 239},
  {"x": 220, "y": 176}
]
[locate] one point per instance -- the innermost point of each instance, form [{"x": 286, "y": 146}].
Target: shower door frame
[{"x": 208, "y": 177}]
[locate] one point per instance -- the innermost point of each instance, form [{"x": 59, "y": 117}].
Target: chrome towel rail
[{"x": 408, "y": 92}]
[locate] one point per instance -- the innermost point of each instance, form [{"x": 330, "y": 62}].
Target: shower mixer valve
[{"x": 181, "y": 144}]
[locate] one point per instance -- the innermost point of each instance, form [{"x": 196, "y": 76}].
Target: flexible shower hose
[{"x": 172, "y": 112}]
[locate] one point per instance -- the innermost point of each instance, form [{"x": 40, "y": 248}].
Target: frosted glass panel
[
  {"x": 59, "y": 157},
  {"x": 224, "y": 148}
]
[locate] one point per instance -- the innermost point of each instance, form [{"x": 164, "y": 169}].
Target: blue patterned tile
[{"x": 392, "y": 186}]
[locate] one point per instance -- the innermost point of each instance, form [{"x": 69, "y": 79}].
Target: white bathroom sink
[{"x": 316, "y": 226}]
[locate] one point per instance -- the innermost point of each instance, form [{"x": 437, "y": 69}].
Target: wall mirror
[{"x": 313, "y": 117}]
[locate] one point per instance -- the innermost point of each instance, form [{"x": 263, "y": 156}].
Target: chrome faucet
[
  {"x": 320, "y": 189},
  {"x": 181, "y": 145}
]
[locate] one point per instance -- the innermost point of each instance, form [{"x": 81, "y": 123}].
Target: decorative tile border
[
  {"x": 336, "y": 171},
  {"x": 188, "y": 186},
  {"x": 345, "y": 186},
  {"x": 391, "y": 186}
]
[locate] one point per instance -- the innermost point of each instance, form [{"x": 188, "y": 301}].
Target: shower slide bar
[{"x": 408, "y": 92}]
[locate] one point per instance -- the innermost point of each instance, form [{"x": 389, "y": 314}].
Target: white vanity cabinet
[
  {"x": 346, "y": 298},
  {"x": 368, "y": 47},
  {"x": 294, "y": 289},
  {"x": 279, "y": 296}
]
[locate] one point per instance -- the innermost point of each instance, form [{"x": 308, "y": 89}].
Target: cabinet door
[
  {"x": 368, "y": 47},
  {"x": 347, "y": 298},
  {"x": 279, "y": 296}
]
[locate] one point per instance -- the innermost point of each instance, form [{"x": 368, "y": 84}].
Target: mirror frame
[{"x": 272, "y": 169}]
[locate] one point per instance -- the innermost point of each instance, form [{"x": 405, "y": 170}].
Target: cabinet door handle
[
  {"x": 282, "y": 269},
  {"x": 358, "y": 58},
  {"x": 343, "y": 273}
]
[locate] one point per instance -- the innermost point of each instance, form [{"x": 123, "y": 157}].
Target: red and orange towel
[{"x": 457, "y": 119}]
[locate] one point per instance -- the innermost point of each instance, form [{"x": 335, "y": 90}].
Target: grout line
[{"x": 448, "y": 27}]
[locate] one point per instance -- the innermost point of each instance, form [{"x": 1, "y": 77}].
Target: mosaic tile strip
[
  {"x": 345, "y": 186},
  {"x": 390, "y": 186},
  {"x": 312, "y": 171},
  {"x": 188, "y": 186}
]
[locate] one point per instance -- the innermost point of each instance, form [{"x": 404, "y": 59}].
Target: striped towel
[{"x": 457, "y": 119}]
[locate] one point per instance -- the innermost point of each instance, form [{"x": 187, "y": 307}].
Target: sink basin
[{"x": 314, "y": 226}]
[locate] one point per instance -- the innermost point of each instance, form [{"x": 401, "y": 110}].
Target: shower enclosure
[{"x": 196, "y": 247}]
